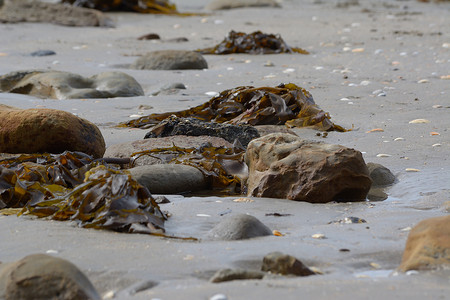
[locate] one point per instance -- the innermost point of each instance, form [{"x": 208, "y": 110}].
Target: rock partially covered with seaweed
[
  {"x": 40, "y": 130},
  {"x": 142, "y": 6},
  {"x": 253, "y": 43},
  {"x": 64, "y": 85},
  {"x": 195, "y": 127},
  {"x": 285, "y": 104},
  {"x": 73, "y": 186}
]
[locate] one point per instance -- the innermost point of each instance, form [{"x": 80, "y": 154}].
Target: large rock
[
  {"x": 47, "y": 130},
  {"x": 229, "y": 4},
  {"x": 65, "y": 85},
  {"x": 170, "y": 178},
  {"x": 194, "y": 127},
  {"x": 286, "y": 166},
  {"x": 126, "y": 150},
  {"x": 428, "y": 245},
  {"x": 41, "y": 276},
  {"x": 170, "y": 60},
  {"x": 283, "y": 264},
  {"x": 37, "y": 11},
  {"x": 238, "y": 227}
]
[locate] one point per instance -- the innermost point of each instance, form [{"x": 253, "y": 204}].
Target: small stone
[
  {"x": 383, "y": 155},
  {"x": 218, "y": 297},
  {"x": 238, "y": 227},
  {"x": 283, "y": 264},
  {"x": 423, "y": 81},
  {"x": 43, "y": 53},
  {"x": 380, "y": 175},
  {"x": 412, "y": 170},
  {"x": 235, "y": 274},
  {"x": 318, "y": 236},
  {"x": 358, "y": 50},
  {"x": 399, "y": 139},
  {"x": 445, "y": 77},
  {"x": 149, "y": 36}
]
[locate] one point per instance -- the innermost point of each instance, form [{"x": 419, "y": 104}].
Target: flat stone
[
  {"x": 283, "y": 264},
  {"x": 235, "y": 274},
  {"x": 170, "y": 60},
  {"x": 230, "y": 4},
  {"x": 238, "y": 227}
]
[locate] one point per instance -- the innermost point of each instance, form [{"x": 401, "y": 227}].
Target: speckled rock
[
  {"x": 41, "y": 276},
  {"x": 238, "y": 227},
  {"x": 170, "y": 60},
  {"x": 428, "y": 245},
  {"x": 65, "y": 85},
  {"x": 286, "y": 166},
  {"x": 47, "y": 130}
]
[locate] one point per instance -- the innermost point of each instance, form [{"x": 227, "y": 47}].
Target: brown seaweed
[
  {"x": 72, "y": 186},
  {"x": 141, "y": 6},
  {"x": 285, "y": 104},
  {"x": 253, "y": 43}
]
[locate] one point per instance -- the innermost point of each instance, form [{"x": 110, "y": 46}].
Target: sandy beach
[{"x": 374, "y": 65}]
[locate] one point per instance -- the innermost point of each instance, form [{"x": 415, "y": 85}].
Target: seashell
[
  {"x": 318, "y": 236},
  {"x": 434, "y": 133},
  {"x": 277, "y": 233},
  {"x": 358, "y": 50},
  {"x": 203, "y": 215},
  {"x": 246, "y": 200},
  {"x": 399, "y": 139},
  {"x": 419, "y": 121},
  {"x": 383, "y": 155},
  {"x": 375, "y": 130},
  {"x": 412, "y": 170}
]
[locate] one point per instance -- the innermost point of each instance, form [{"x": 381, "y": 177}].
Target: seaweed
[
  {"x": 73, "y": 186},
  {"x": 142, "y": 6},
  {"x": 252, "y": 43},
  {"x": 285, "y": 104}
]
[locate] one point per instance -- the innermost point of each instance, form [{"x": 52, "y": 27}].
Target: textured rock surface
[
  {"x": 41, "y": 276},
  {"x": 428, "y": 245},
  {"x": 285, "y": 166},
  {"x": 47, "y": 130},
  {"x": 235, "y": 274},
  {"x": 380, "y": 175},
  {"x": 194, "y": 127},
  {"x": 239, "y": 227},
  {"x": 279, "y": 263},
  {"x": 229, "y": 4},
  {"x": 37, "y": 11},
  {"x": 65, "y": 85},
  {"x": 170, "y": 178},
  {"x": 170, "y": 60},
  {"x": 127, "y": 149}
]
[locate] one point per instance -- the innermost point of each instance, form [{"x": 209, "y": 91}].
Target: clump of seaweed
[
  {"x": 73, "y": 186},
  {"x": 285, "y": 104},
  {"x": 252, "y": 43},
  {"x": 141, "y": 6}
]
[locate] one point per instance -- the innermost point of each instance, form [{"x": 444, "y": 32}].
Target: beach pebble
[
  {"x": 318, "y": 236},
  {"x": 383, "y": 155},
  {"x": 399, "y": 139},
  {"x": 358, "y": 50},
  {"x": 238, "y": 227},
  {"x": 235, "y": 274},
  {"x": 170, "y": 60},
  {"x": 218, "y": 297},
  {"x": 43, "y": 53},
  {"x": 423, "y": 81},
  {"x": 232, "y": 4},
  {"x": 412, "y": 170},
  {"x": 283, "y": 264},
  {"x": 40, "y": 276}
]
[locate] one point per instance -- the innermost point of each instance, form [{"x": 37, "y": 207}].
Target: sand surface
[{"x": 399, "y": 48}]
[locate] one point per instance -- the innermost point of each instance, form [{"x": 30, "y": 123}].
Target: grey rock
[
  {"x": 380, "y": 175},
  {"x": 285, "y": 166},
  {"x": 279, "y": 263},
  {"x": 42, "y": 53},
  {"x": 238, "y": 227},
  {"x": 193, "y": 127},
  {"x": 229, "y": 4},
  {"x": 235, "y": 274},
  {"x": 170, "y": 89},
  {"x": 65, "y": 85},
  {"x": 170, "y": 60},
  {"x": 41, "y": 276},
  {"x": 170, "y": 178},
  {"x": 55, "y": 13},
  {"x": 126, "y": 150}
]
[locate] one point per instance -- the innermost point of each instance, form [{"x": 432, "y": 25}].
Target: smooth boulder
[
  {"x": 64, "y": 85},
  {"x": 170, "y": 60},
  {"x": 286, "y": 166},
  {"x": 47, "y": 130},
  {"x": 238, "y": 227},
  {"x": 41, "y": 276},
  {"x": 428, "y": 245},
  {"x": 380, "y": 175}
]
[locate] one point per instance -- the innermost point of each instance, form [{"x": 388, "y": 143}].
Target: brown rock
[
  {"x": 41, "y": 276},
  {"x": 170, "y": 60},
  {"x": 428, "y": 245},
  {"x": 127, "y": 149},
  {"x": 285, "y": 166},
  {"x": 37, "y": 11},
  {"x": 47, "y": 130},
  {"x": 279, "y": 263}
]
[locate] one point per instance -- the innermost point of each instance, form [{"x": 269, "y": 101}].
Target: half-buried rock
[
  {"x": 170, "y": 60},
  {"x": 428, "y": 245},
  {"x": 41, "y": 276},
  {"x": 65, "y": 85},
  {"x": 286, "y": 166},
  {"x": 238, "y": 227},
  {"x": 47, "y": 130}
]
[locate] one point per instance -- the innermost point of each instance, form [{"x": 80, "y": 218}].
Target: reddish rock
[
  {"x": 286, "y": 166},
  {"x": 279, "y": 263},
  {"x": 47, "y": 130},
  {"x": 428, "y": 245}
]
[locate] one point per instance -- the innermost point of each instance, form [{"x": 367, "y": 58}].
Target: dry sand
[{"x": 400, "y": 48}]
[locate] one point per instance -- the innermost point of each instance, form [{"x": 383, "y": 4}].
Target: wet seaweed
[
  {"x": 253, "y": 43},
  {"x": 73, "y": 186},
  {"x": 285, "y": 104}
]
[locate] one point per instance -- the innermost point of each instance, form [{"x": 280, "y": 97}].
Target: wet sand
[{"x": 399, "y": 48}]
